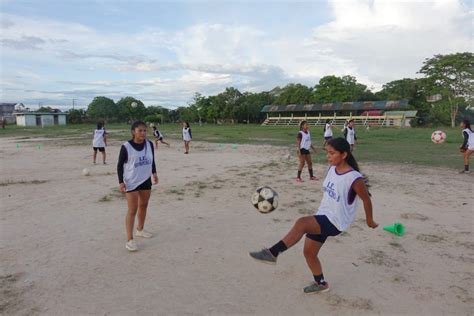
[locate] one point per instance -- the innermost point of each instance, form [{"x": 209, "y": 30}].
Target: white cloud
[{"x": 374, "y": 40}]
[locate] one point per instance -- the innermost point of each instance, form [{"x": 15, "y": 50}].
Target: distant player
[
  {"x": 336, "y": 212},
  {"x": 327, "y": 131},
  {"x": 187, "y": 136},
  {"x": 303, "y": 145},
  {"x": 349, "y": 134},
  {"x": 99, "y": 142},
  {"x": 158, "y": 137},
  {"x": 136, "y": 168},
  {"x": 467, "y": 147}
]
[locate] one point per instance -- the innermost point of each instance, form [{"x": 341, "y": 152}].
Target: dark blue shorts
[
  {"x": 304, "y": 151},
  {"x": 327, "y": 229}
]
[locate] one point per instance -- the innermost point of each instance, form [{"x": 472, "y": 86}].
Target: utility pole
[{"x": 73, "y": 103}]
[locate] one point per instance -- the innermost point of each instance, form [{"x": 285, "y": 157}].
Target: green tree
[
  {"x": 294, "y": 94},
  {"x": 76, "y": 116},
  {"x": 340, "y": 89},
  {"x": 452, "y": 76},
  {"x": 102, "y": 108},
  {"x": 130, "y": 109}
]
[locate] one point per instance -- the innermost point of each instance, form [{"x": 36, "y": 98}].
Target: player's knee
[{"x": 309, "y": 253}]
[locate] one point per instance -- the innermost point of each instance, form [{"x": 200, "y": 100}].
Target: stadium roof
[{"x": 338, "y": 106}]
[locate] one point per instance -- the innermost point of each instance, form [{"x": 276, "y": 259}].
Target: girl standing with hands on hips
[
  {"x": 187, "y": 136},
  {"x": 336, "y": 212},
  {"x": 136, "y": 168},
  {"x": 303, "y": 145}
]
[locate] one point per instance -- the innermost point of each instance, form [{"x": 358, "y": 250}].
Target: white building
[{"x": 40, "y": 118}]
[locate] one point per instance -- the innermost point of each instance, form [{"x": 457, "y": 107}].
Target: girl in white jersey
[
  {"x": 136, "y": 168},
  {"x": 158, "y": 137},
  {"x": 349, "y": 134},
  {"x": 467, "y": 147},
  {"x": 327, "y": 132},
  {"x": 187, "y": 136},
  {"x": 99, "y": 142},
  {"x": 303, "y": 145},
  {"x": 336, "y": 212}
]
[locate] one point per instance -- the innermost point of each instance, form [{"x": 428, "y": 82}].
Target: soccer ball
[
  {"x": 438, "y": 137},
  {"x": 134, "y": 104},
  {"x": 265, "y": 199},
  {"x": 85, "y": 172}
]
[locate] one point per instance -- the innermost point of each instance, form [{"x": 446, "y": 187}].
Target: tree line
[{"x": 449, "y": 76}]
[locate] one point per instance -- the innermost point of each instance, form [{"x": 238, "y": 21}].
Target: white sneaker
[
  {"x": 131, "y": 245},
  {"x": 143, "y": 233}
]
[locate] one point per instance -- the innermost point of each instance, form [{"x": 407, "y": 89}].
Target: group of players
[{"x": 342, "y": 185}]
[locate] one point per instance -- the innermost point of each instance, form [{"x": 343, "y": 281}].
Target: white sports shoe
[
  {"x": 143, "y": 233},
  {"x": 131, "y": 245}
]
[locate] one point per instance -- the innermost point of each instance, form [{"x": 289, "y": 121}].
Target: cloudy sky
[{"x": 54, "y": 51}]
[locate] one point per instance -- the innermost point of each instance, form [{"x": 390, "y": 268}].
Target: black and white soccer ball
[{"x": 265, "y": 199}]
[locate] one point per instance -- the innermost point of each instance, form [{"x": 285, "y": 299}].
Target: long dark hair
[
  {"x": 100, "y": 125},
  {"x": 302, "y": 123},
  {"x": 467, "y": 124},
  {"x": 341, "y": 145},
  {"x": 186, "y": 123}
]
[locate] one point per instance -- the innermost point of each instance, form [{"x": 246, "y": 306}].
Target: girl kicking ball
[
  {"x": 303, "y": 145},
  {"x": 336, "y": 212},
  {"x": 99, "y": 142},
  {"x": 158, "y": 137},
  {"x": 135, "y": 169},
  {"x": 467, "y": 147},
  {"x": 187, "y": 136}
]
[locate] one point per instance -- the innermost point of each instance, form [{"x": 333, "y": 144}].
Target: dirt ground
[{"x": 62, "y": 244}]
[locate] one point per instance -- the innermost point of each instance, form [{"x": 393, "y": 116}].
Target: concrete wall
[
  {"x": 62, "y": 119},
  {"x": 46, "y": 119}
]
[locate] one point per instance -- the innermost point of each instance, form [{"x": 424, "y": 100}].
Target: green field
[{"x": 410, "y": 145}]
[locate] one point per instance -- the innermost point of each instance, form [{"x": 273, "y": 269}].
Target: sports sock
[
  {"x": 311, "y": 172},
  {"x": 277, "y": 248},
  {"x": 299, "y": 173},
  {"x": 319, "y": 279},
  {"x": 466, "y": 167}
]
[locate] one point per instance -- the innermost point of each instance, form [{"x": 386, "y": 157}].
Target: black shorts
[
  {"x": 304, "y": 151},
  {"x": 327, "y": 137},
  {"x": 327, "y": 229},
  {"x": 159, "y": 138},
  {"x": 144, "y": 186},
  {"x": 101, "y": 149}
]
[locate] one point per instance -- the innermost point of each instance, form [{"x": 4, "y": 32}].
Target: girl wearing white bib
[
  {"x": 349, "y": 134},
  {"x": 467, "y": 147},
  {"x": 99, "y": 142},
  {"x": 187, "y": 136},
  {"x": 136, "y": 168},
  {"x": 327, "y": 131},
  {"x": 336, "y": 212},
  {"x": 303, "y": 145}
]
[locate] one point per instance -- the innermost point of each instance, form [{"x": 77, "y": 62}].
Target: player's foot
[
  {"x": 131, "y": 245},
  {"x": 105, "y": 163},
  {"x": 299, "y": 180},
  {"x": 186, "y": 152},
  {"x": 316, "y": 288},
  {"x": 314, "y": 178},
  {"x": 465, "y": 171},
  {"x": 143, "y": 233},
  {"x": 264, "y": 255}
]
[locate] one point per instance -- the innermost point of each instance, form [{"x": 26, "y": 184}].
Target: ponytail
[{"x": 302, "y": 123}]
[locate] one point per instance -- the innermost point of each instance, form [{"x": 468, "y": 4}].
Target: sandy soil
[{"x": 62, "y": 238}]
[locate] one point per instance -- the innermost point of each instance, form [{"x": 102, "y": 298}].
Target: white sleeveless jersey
[
  {"x": 339, "y": 202},
  {"x": 186, "y": 134},
  {"x": 305, "y": 140},
  {"x": 98, "y": 140},
  {"x": 328, "y": 130},
  {"x": 138, "y": 167},
  {"x": 350, "y": 136},
  {"x": 470, "y": 141}
]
